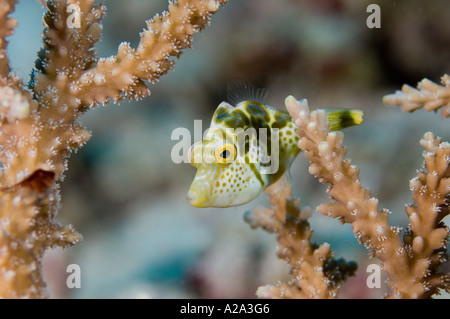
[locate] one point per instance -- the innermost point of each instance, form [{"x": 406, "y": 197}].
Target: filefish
[{"x": 232, "y": 159}]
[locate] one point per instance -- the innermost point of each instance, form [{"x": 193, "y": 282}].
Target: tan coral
[
  {"x": 315, "y": 274},
  {"x": 7, "y": 25},
  {"x": 27, "y": 230},
  {"x": 411, "y": 265},
  {"x": 429, "y": 95},
  {"x": 38, "y": 127}
]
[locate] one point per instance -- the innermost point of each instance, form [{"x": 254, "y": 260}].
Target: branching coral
[
  {"x": 315, "y": 273},
  {"x": 38, "y": 127},
  {"x": 429, "y": 95},
  {"x": 412, "y": 263}
]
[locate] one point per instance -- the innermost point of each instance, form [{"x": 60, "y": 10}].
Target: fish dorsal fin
[{"x": 239, "y": 90}]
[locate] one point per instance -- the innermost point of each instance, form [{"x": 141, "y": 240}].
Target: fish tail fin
[{"x": 342, "y": 118}]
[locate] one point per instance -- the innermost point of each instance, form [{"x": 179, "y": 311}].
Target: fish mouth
[{"x": 195, "y": 200}]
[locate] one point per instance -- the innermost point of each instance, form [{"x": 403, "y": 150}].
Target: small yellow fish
[{"x": 247, "y": 148}]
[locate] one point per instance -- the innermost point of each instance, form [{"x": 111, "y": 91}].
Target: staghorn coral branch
[
  {"x": 428, "y": 95},
  {"x": 411, "y": 265},
  {"x": 122, "y": 75},
  {"x": 27, "y": 230},
  {"x": 38, "y": 127},
  {"x": 7, "y": 25},
  {"x": 315, "y": 273},
  {"x": 430, "y": 192}
]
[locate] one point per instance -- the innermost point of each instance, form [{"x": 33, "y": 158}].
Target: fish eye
[{"x": 225, "y": 154}]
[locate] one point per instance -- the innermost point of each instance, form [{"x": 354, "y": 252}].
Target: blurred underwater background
[{"x": 127, "y": 197}]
